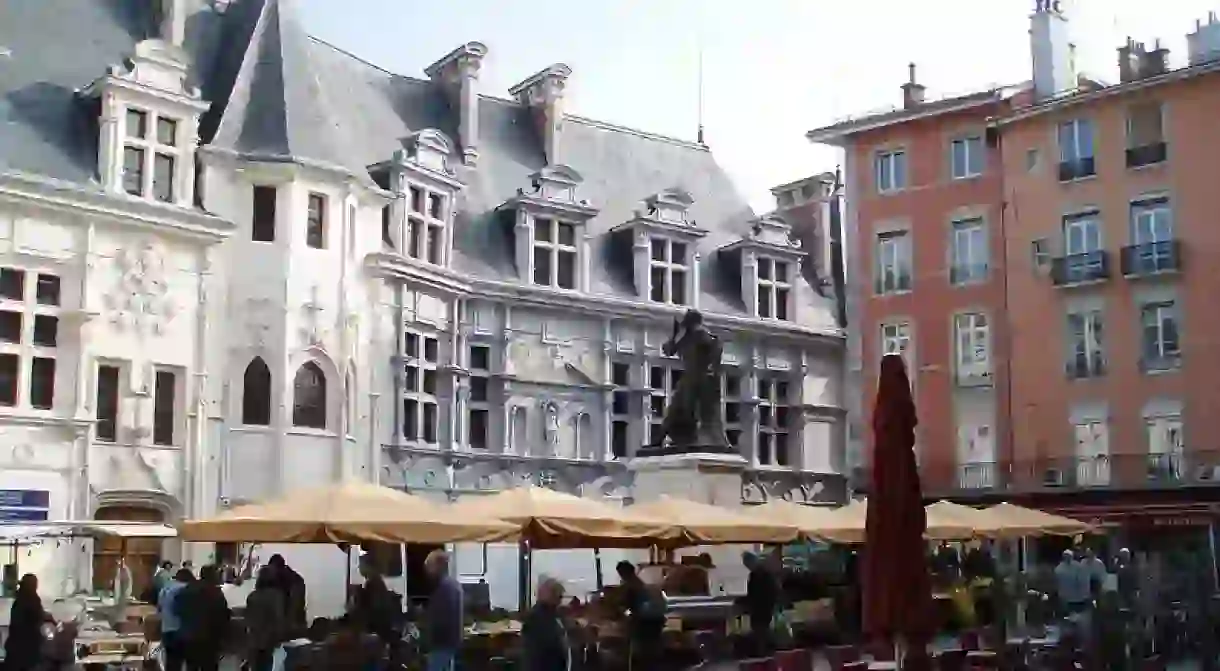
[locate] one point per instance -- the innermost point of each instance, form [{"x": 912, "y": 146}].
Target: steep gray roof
[{"x": 278, "y": 94}]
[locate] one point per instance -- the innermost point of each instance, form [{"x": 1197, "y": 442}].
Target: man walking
[{"x": 443, "y": 619}]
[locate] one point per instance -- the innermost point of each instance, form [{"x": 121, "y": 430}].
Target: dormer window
[
  {"x": 664, "y": 243},
  {"x": 417, "y": 223},
  {"x": 770, "y": 263},
  {"x": 549, "y": 230},
  {"x": 150, "y": 155}
]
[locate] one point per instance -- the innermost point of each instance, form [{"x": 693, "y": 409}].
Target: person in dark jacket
[
  {"x": 266, "y": 621},
  {"x": 205, "y": 620},
  {"x": 172, "y": 641},
  {"x": 293, "y": 586},
  {"x": 23, "y": 647},
  {"x": 645, "y": 609},
  {"x": 761, "y": 600},
  {"x": 443, "y": 619},
  {"x": 544, "y": 639}
]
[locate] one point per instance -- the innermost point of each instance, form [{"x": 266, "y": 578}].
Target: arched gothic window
[
  {"x": 256, "y": 394},
  {"x": 309, "y": 397}
]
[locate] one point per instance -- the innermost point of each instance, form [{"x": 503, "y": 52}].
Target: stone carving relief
[
  {"x": 764, "y": 486},
  {"x": 140, "y": 299},
  {"x": 550, "y": 428},
  {"x": 258, "y": 313}
]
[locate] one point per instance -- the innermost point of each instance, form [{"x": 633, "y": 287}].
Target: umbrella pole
[{"x": 597, "y": 568}]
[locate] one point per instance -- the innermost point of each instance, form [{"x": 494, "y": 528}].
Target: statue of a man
[{"x": 693, "y": 414}]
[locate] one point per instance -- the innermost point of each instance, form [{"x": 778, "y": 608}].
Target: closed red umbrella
[{"x": 897, "y": 589}]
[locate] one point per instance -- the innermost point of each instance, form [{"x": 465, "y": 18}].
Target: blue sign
[
  {"x": 25, "y": 498},
  {"x": 23, "y": 515}
]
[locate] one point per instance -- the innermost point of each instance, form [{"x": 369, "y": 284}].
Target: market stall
[{"x": 847, "y": 525}]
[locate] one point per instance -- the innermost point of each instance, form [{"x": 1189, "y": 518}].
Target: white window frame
[
  {"x": 1166, "y": 446},
  {"x": 973, "y": 154},
  {"x": 553, "y": 248},
  {"x": 674, "y": 273},
  {"x": 151, "y": 146},
  {"x": 627, "y": 417},
  {"x": 1145, "y": 107},
  {"x": 658, "y": 397},
  {"x": 1076, "y": 149},
  {"x": 890, "y": 170},
  {"x": 733, "y": 382},
  {"x": 1092, "y": 439},
  {"x": 774, "y": 394},
  {"x": 975, "y": 470},
  {"x": 1151, "y": 222},
  {"x": 1089, "y": 343},
  {"x": 970, "y": 254},
  {"x": 472, "y": 404},
  {"x": 426, "y": 230},
  {"x": 1153, "y": 316},
  {"x": 414, "y": 357},
  {"x": 1082, "y": 235},
  {"x": 776, "y": 286},
  {"x": 26, "y": 349},
  {"x": 893, "y": 263},
  {"x": 896, "y": 338},
  {"x": 972, "y": 335}
]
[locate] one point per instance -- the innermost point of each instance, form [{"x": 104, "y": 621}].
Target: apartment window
[
  {"x": 554, "y": 253},
  {"x": 976, "y": 457},
  {"x": 1092, "y": 453},
  {"x": 256, "y": 394},
  {"x": 620, "y": 408},
  {"x": 967, "y": 157},
  {"x": 426, "y": 217},
  {"x": 150, "y": 155},
  {"x": 1151, "y": 222},
  {"x": 107, "y": 427},
  {"x": 315, "y": 222},
  {"x": 1076, "y": 158},
  {"x": 891, "y": 171},
  {"x": 478, "y": 412},
  {"x": 970, "y": 253},
  {"x": 420, "y": 417},
  {"x": 973, "y": 345},
  {"x": 29, "y": 337},
  {"x": 1165, "y": 438},
  {"x": 1160, "y": 343},
  {"x": 733, "y": 400},
  {"x": 387, "y": 228},
  {"x": 165, "y": 390},
  {"x": 893, "y": 262},
  {"x": 309, "y": 403},
  {"x": 774, "y": 288},
  {"x": 1145, "y": 135},
  {"x": 667, "y": 271},
  {"x": 262, "y": 223},
  {"x": 1084, "y": 256},
  {"x": 1086, "y": 354},
  {"x": 896, "y": 339},
  {"x": 662, "y": 380},
  {"x": 774, "y": 416}
]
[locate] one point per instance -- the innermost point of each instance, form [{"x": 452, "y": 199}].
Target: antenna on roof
[{"x": 699, "y": 78}]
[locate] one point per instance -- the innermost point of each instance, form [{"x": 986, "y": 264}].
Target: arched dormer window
[
  {"x": 309, "y": 397},
  {"x": 256, "y": 394}
]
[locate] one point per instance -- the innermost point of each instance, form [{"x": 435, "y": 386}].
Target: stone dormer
[
  {"x": 542, "y": 93},
  {"x": 148, "y": 129},
  {"x": 549, "y": 230},
  {"x": 418, "y": 223},
  {"x": 664, "y": 253},
  {"x": 458, "y": 74},
  {"x": 770, "y": 262}
]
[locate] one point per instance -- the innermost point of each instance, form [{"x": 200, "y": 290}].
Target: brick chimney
[
  {"x": 1130, "y": 60},
  {"x": 458, "y": 74},
  {"x": 1156, "y": 61},
  {"x": 912, "y": 91},
  {"x": 542, "y": 92}
]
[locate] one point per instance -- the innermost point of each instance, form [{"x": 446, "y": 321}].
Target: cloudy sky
[{"x": 772, "y": 69}]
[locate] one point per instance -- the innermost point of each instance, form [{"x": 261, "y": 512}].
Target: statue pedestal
[{"x": 705, "y": 477}]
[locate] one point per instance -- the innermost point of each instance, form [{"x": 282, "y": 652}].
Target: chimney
[
  {"x": 1051, "y": 49},
  {"x": 543, "y": 94},
  {"x": 458, "y": 74},
  {"x": 1203, "y": 45},
  {"x": 1130, "y": 61},
  {"x": 173, "y": 22},
  {"x": 912, "y": 92},
  {"x": 1154, "y": 62}
]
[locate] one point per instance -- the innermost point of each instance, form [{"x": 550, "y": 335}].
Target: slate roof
[{"x": 278, "y": 94}]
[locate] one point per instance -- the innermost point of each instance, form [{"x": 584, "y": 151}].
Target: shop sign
[{"x": 24, "y": 505}]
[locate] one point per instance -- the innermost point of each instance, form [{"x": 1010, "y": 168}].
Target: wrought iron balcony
[
  {"x": 1151, "y": 258},
  {"x": 1149, "y": 154},
  {"x": 967, "y": 273},
  {"x": 1080, "y": 268},
  {"x": 1077, "y": 169}
]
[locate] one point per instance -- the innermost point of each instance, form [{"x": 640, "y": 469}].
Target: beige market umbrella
[
  {"x": 346, "y": 513},
  {"x": 1021, "y": 521},
  {"x": 808, "y": 520},
  {"x": 553, "y": 520},
  {"x": 848, "y": 523},
  {"x": 983, "y": 522},
  {"x": 705, "y": 524}
]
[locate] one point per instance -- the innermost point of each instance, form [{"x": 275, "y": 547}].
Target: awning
[
  {"x": 128, "y": 530},
  {"x": 10, "y": 533},
  {"x": 14, "y": 532}
]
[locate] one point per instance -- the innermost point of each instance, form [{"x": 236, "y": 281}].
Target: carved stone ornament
[{"x": 140, "y": 299}]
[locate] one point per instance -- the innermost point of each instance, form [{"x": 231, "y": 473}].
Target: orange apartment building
[{"x": 1041, "y": 256}]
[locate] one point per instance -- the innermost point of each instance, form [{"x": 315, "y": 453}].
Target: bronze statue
[{"x": 693, "y": 415}]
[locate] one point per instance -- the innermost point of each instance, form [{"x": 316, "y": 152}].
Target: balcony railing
[
  {"x": 967, "y": 273},
  {"x": 1149, "y": 154},
  {"x": 1151, "y": 258},
  {"x": 1082, "y": 367},
  {"x": 1077, "y": 169},
  {"x": 1080, "y": 268}
]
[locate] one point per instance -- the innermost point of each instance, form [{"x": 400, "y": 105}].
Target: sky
[{"x": 771, "y": 69}]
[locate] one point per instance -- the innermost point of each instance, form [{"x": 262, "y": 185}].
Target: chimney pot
[
  {"x": 912, "y": 91},
  {"x": 458, "y": 74},
  {"x": 543, "y": 92}
]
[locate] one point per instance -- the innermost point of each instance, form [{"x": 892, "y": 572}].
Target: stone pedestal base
[{"x": 711, "y": 478}]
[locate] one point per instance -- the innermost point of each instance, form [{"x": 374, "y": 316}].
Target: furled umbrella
[{"x": 896, "y": 585}]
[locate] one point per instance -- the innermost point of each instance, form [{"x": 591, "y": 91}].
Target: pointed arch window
[
  {"x": 309, "y": 397},
  {"x": 256, "y": 394}
]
